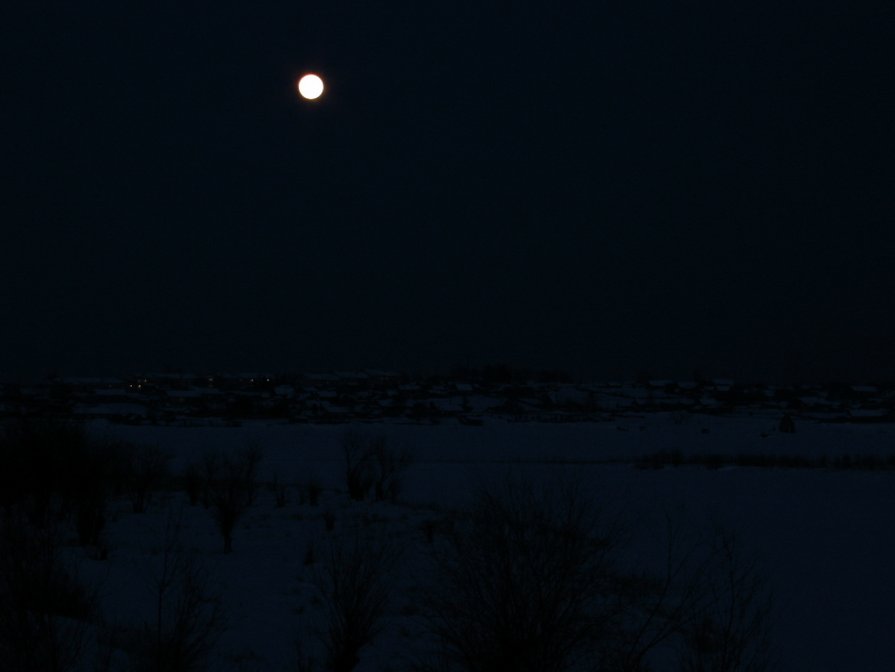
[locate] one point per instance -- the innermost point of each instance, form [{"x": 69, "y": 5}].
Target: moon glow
[{"x": 310, "y": 87}]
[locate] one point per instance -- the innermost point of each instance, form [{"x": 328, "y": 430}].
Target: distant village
[{"x": 467, "y": 397}]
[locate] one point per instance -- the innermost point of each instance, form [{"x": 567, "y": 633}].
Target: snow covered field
[{"x": 824, "y": 538}]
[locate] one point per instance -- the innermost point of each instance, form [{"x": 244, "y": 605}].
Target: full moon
[{"x": 310, "y": 87}]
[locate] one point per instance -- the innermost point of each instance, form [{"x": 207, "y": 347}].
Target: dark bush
[
  {"x": 730, "y": 629},
  {"x": 522, "y": 585},
  {"x": 373, "y": 467},
  {"x": 353, "y": 587},
  {"x": 147, "y": 468},
  {"x": 52, "y": 470},
  {"x": 187, "y": 618},
  {"x": 44, "y": 609},
  {"x": 232, "y": 482},
  {"x": 359, "y": 465},
  {"x": 390, "y": 466},
  {"x": 312, "y": 491}
]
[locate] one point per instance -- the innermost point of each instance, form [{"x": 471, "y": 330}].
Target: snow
[
  {"x": 825, "y": 538},
  {"x": 111, "y": 409}
]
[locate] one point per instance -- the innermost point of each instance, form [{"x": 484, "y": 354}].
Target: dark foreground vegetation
[{"x": 526, "y": 579}]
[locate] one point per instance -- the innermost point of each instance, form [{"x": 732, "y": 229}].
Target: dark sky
[{"x": 604, "y": 188}]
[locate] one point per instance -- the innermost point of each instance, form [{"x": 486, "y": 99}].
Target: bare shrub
[
  {"x": 730, "y": 629},
  {"x": 44, "y": 610},
  {"x": 352, "y": 585},
  {"x": 37, "y": 462},
  {"x": 522, "y": 584},
  {"x": 187, "y": 616},
  {"x": 147, "y": 467},
  {"x": 390, "y": 464},
  {"x": 372, "y": 466},
  {"x": 232, "y": 483},
  {"x": 650, "y": 610},
  {"x": 96, "y": 473},
  {"x": 359, "y": 465},
  {"x": 108, "y": 654},
  {"x": 311, "y": 491},
  {"x": 50, "y": 470},
  {"x": 303, "y": 661}
]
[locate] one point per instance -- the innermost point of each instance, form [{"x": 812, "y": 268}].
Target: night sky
[{"x": 609, "y": 189}]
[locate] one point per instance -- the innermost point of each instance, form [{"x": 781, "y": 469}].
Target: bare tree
[
  {"x": 310, "y": 491},
  {"x": 147, "y": 466},
  {"x": 372, "y": 466},
  {"x": 303, "y": 661},
  {"x": 652, "y": 609},
  {"x": 360, "y": 466},
  {"x": 352, "y": 585},
  {"x": 44, "y": 610},
  {"x": 41, "y": 467},
  {"x": 523, "y": 584},
  {"x": 391, "y": 464},
  {"x": 232, "y": 483},
  {"x": 730, "y": 630},
  {"x": 187, "y": 615},
  {"x": 52, "y": 468}
]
